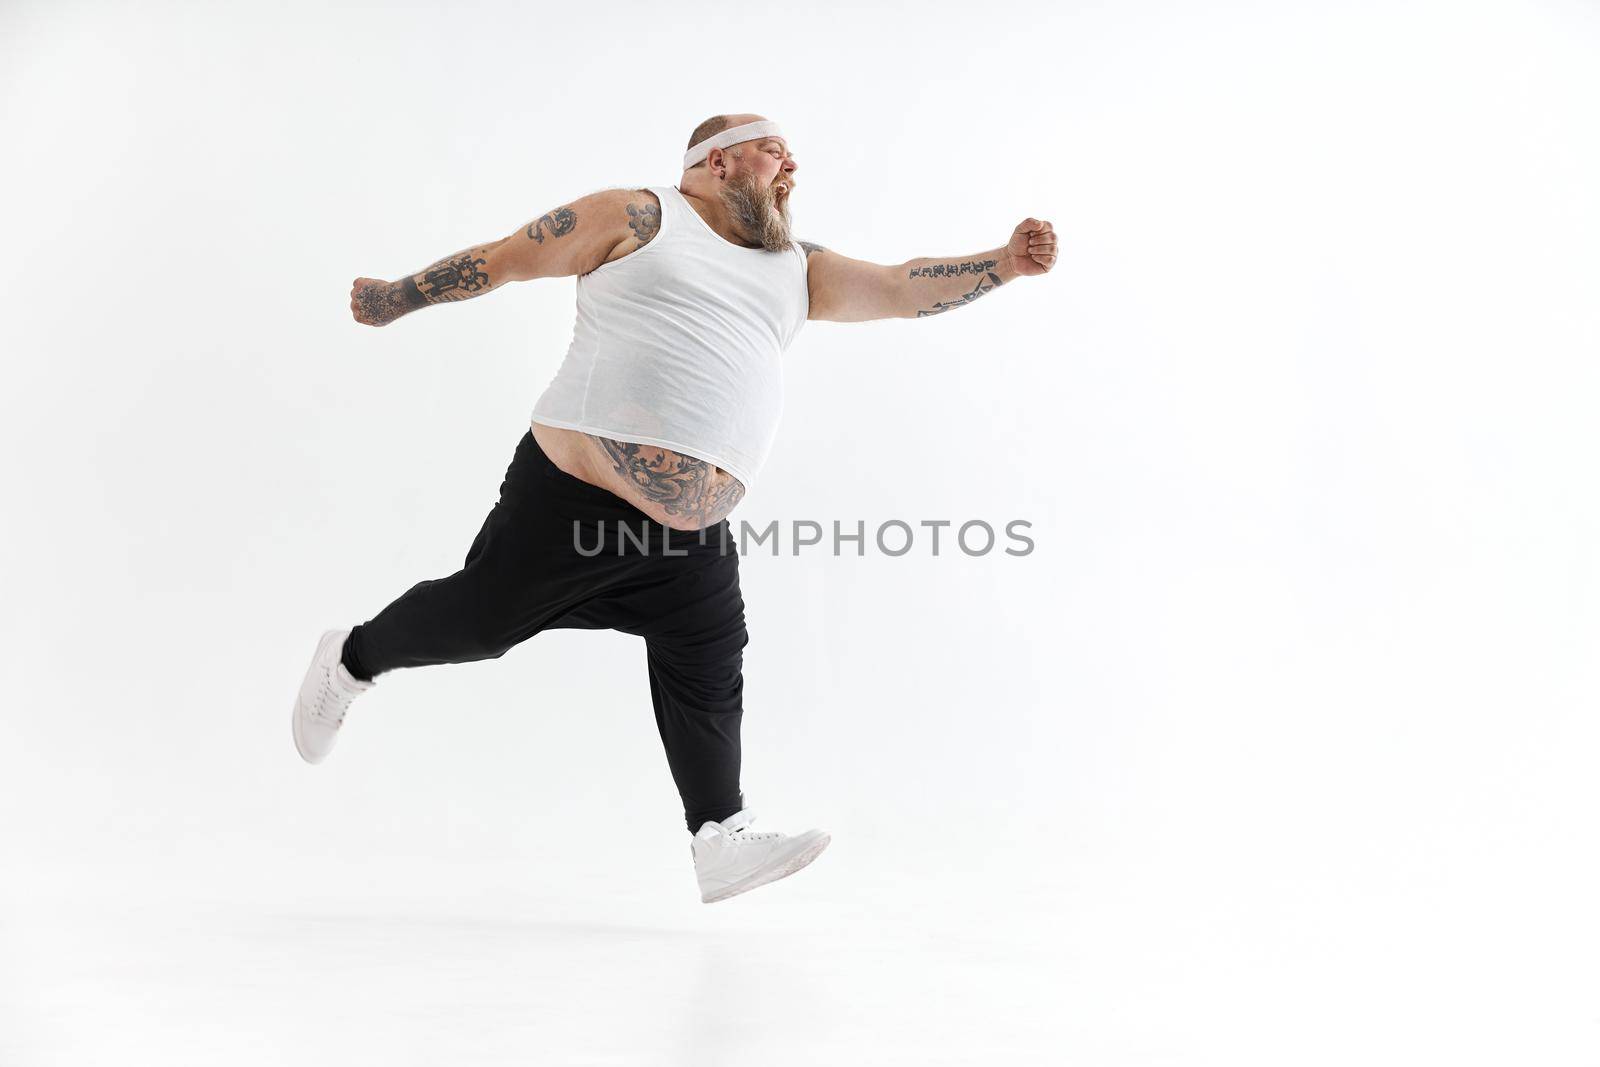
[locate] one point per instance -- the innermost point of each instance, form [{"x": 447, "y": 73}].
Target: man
[{"x": 655, "y": 425}]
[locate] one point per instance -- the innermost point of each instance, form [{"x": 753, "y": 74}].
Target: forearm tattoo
[
  {"x": 562, "y": 221},
  {"x": 987, "y": 283},
  {"x": 680, "y": 485},
  {"x": 455, "y": 277},
  {"x": 951, "y": 270},
  {"x": 645, "y": 222}
]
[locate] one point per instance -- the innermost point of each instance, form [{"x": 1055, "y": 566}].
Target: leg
[
  {"x": 699, "y": 702},
  {"x": 518, "y": 575},
  {"x": 456, "y": 619},
  {"x": 694, "y": 631}
]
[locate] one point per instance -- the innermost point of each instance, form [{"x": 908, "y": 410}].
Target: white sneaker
[
  {"x": 325, "y": 696},
  {"x": 730, "y": 858}
]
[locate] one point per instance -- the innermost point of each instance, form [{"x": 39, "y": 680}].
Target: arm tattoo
[
  {"x": 966, "y": 298},
  {"x": 951, "y": 270},
  {"x": 562, "y": 221},
  {"x": 645, "y": 222},
  {"x": 810, "y": 248},
  {"x": 679, "y": 484},
  {"x": 456, "y": 277},
  {"x": 452, "y": 278}
]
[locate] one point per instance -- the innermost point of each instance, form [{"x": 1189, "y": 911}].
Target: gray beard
[{"x": 751, "y": 207}]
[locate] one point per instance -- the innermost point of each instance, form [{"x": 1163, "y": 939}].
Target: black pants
[{"x": 559, "y": 553}]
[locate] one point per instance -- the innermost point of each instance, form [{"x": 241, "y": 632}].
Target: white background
[{"x": 1279, "y": 748}]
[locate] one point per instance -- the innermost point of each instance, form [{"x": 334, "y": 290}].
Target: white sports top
[{"x": 680, "y": 344}]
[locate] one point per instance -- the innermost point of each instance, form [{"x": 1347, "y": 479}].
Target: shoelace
[
  {"x": 744, "y": 833},
  {"x": 332, "y": 702}
]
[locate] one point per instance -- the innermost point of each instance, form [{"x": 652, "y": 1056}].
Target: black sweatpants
[{"x": 558, "y": 553}]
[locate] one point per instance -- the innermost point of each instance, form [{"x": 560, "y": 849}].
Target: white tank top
[{"x": 680, "y": 344}]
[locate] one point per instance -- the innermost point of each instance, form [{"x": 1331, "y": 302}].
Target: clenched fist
[
  {"x": 374, "y": 302},
  {"x": 1032, "y": 247}
]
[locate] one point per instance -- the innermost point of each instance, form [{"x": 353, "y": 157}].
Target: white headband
[{"x": 748, "y": 132}]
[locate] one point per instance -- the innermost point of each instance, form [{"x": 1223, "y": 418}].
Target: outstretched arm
[
  {"x": 853, "y": 290},
  {"x": 573, "y": 239},
  {"x": 455, "y": 277}
]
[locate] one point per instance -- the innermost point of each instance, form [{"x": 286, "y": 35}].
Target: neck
[{"x": 715, "y": 212}]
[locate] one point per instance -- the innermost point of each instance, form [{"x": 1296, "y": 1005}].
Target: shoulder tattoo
[{"x": 644, "y": 219}]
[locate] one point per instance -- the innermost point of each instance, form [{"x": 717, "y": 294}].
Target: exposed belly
[{"x": 704, "y": 504}]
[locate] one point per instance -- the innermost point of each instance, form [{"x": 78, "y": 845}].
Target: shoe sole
[
  {"x": 294, "y": 716},
  {"x": 794, "y": 863}
]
